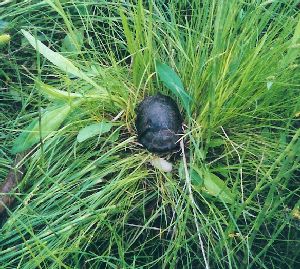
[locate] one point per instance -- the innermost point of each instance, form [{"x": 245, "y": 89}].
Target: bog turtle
[{"x": 159, "y": 123}]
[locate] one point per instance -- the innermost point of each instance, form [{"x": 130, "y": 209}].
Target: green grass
[{"x": 99, "y": 204}]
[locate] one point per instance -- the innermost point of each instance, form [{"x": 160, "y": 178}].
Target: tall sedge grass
[{"x": 99, "y": 204}]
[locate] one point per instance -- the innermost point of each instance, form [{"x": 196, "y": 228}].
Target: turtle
[{"x": 159, "y": 123}]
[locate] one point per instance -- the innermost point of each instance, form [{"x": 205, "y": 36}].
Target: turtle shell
[{"x": 159, "y": 123}]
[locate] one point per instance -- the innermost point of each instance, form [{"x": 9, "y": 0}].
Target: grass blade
[{"x": 92, "y": 130}]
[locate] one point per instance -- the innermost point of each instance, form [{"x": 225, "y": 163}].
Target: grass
[{"x": 99, "y": 204}]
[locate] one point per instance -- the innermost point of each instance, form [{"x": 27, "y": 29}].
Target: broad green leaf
[
  {"x": 92, "y": 130},
  {"x": 58, "y": 60},
  {"x": 196, "y": 180},
  {"x": 217, "y": 187},
  {"x": 172, "y": 81},
  {"x": 50, "y": 122},
  {"x": 213, "y": 185},
  {"x": 70, "y": 45}
]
